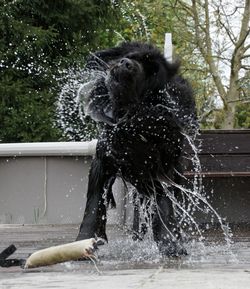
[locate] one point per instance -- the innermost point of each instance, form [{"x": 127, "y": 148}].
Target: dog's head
[
  {"x": 140, "y": 71},
  {"x": 133, "y": 75}
]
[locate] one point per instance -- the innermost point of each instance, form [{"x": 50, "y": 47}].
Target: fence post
[{"x": 168, "y": 47}]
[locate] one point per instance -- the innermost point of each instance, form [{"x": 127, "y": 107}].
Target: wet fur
[{"x": 143, "y": 107}]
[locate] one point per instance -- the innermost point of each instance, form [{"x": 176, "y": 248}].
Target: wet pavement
[{"x": 123, "y": 263}]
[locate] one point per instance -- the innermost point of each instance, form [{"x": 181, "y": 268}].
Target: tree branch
[
  {"x": 220, "y": 10},
  {"x": 246, "y": 48},
  {"x": 184, "y": 6},
  {"x": 206, "y": 114},
  {"x": 206, "y": 49},
  {"x": 245, "y": 56},
  {"x": 246, "y": 67},
  {"x": 239, "y": 45},
  {"x": 245, "y": 100}
]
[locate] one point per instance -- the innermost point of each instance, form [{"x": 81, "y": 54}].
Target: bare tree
[{"x": 220, "y": 31}]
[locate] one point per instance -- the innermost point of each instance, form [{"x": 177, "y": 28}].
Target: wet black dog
[{"x": 144, "y": 108}]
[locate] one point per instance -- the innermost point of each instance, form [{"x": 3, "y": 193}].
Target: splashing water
[
  {"x": 72, "y": 108},
  {"x": 72, "y": 104},
  {"x": 193, "y": 201},
  {"x": 197, "y": 195},
  {"x": 193, "y": 197},
  {"x": 72, "y": 111},
  {"x": 134, "y": 16}
]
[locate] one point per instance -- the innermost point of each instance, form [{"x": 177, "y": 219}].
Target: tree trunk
[{"x": 229, "y": 118}]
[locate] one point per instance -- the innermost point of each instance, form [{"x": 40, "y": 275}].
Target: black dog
[{"x": 144, "y": 108}]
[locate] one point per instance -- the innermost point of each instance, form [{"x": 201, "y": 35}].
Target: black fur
[{"x": 144, "y": 107}]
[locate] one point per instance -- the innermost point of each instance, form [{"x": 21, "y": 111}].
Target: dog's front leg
[{"x": 94, "y": 220}]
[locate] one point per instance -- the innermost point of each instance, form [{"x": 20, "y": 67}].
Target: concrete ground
[{"x": 127, "y": 264}]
